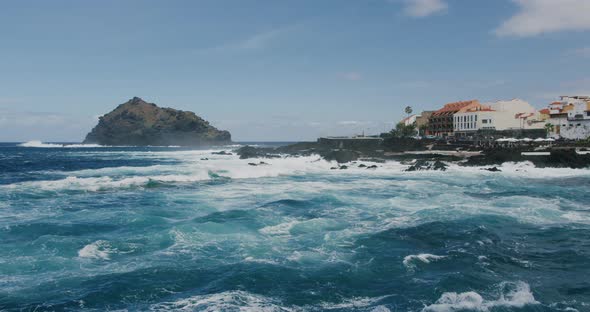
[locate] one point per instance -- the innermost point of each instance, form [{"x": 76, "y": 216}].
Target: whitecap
[
  {"x": 411, "y": 260},
  {"x": 100, "y": 249},
  {"x": 39, "y": 144},
  {"x": 225, "y": 301},
  {"x": 515, "y": 295},
  {"x": 356, "y": 303},
  {"x": 279, "y": 229}
]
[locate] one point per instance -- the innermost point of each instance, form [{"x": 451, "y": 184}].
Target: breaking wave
[
  {"x": 98, "y": 250},
  {"x": 39, "y": 144},
  {"x": 225, "y": 301},
  {"x": 410, "y": 262},
  {"x": 515, "y": 295}
]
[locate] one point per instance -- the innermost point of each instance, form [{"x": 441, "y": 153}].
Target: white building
[
  {"x": 570, "y": 117},
  {"x": 410, "y": 120},
  {"x": 500, "y": 115}
]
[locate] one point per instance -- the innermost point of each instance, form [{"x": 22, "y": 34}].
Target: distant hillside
[{"x": 139, "y": 123}]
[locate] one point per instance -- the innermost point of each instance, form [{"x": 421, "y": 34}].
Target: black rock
[
  {"x": 343, "y": 167},
  {"x": 362, "y": 166},
  {"x": 222, "y": 153},
  {"x": 439, "y": 165},
  {"x": 372, "y": 167},
  {"x": 262, "y": 163},
  {"x": 420, "y": 165},
  {"x": 492, "y": 169},
  {"x": 341, "y": 156},
  {"x": 247, "y": 152}
]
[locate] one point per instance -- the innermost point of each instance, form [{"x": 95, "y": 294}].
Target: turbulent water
[{"x": 163, "y": 228}]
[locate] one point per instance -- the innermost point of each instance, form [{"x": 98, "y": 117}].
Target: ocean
[{"x": 91, "y": 228}]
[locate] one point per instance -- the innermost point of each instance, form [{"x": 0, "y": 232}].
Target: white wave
[
  {"x": 356, "y": 303},
  {"x": 525, "y": 169},
  {"x": 100, "y": 249},
  {"x": 279, "y": 229},
  {"x": 39, "y": 144},
  {"x": 256, "y": 260},
  {"x": 515, "y": 295},
  {"x": 410, "y": 261},
  {"x": 186, "y": 172},
  {"x": 225, "y": 301},
  {"x": 105, "y": 183},
  {"x": 238, "y": 300}
]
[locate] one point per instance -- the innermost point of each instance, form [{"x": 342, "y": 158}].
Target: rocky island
[{"x": 140, "y": 123}]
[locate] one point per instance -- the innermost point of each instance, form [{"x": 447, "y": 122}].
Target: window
[{"x": 485, "y": 121}]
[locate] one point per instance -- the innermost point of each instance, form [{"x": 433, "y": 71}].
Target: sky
[{"x": 281, "y": 70}]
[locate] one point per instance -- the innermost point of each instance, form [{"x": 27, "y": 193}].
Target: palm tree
[
  {"x": 549, "y": 128},
  {"x": 408, "y": 110}
]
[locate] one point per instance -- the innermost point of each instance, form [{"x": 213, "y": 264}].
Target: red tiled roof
[
  {"x": 454, "y": 107},
  {"x": 544, "y": 111}
]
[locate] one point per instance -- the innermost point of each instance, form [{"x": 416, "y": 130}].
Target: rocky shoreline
[{"x": 424, "y": 159}]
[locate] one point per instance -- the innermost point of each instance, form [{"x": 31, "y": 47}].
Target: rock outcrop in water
[{"x": 139, "y": 123}]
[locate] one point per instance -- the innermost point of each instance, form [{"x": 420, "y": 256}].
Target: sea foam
[
  {"x": 39, "y": 144},
  {"x": 100, "y": 249},
  {"x": 410, "y": 262},
  {"x": 515, "y": 295},
  {"x": 225, "y": 301}
]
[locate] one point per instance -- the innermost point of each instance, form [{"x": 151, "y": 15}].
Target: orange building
[{"x": 440, "y": 122}]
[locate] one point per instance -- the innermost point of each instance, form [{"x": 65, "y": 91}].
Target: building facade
[
  {"x": 514, "y": 114},
  {"x": 570, "y": 117},
  {"x": 420, "y": 121},
  {"x": 441, "y": 122}
]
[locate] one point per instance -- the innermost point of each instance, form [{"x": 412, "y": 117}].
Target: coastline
[{"x": 543, "y": 157}]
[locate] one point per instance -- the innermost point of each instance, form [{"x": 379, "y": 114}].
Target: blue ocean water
[{"x": 164, "y": 228}]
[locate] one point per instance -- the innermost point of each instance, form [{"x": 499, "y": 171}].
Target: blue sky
[{"x": 281, "y": 70}]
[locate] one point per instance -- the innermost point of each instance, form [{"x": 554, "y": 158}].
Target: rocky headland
[{"x": 140, "y": 123}]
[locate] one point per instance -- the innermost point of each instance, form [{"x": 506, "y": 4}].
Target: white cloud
[
  {"x": 423, "y": 8},
  {"x": 260, "y": 40},
  {"x": 257, "y": 41},
  {"x": 545, "y": 16}
]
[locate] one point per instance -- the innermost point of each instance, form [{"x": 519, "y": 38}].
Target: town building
[
  {"x": 420, "y": 121},
  {"x": 570, "y": 117},
  {"x": 544, "y": 115},
  {"x": 441, "y": 122},
  {"x": 410, "y": 120},
  {"x": 491, "y": 117}
]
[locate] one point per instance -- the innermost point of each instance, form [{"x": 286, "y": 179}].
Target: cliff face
[{"x": 139, "y": 123}]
